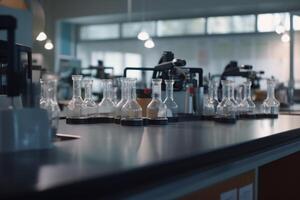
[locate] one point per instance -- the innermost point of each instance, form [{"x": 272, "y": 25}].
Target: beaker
[
  {"x": 172, "y": 107},
  {"x": 247, "y": 106},
  {"x": 156, "y": 109},
  {"x": 131, "y": 112},
  {"x": 74, "y": 108},
  {"x": 271, "y": 104},
  {"x": 89, "y": 107},
  {"x": 106, "y": 107},
  {"x": 227, "y": 107}
]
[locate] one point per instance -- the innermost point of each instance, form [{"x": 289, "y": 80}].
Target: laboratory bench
[{"x": 188, "y": 160}]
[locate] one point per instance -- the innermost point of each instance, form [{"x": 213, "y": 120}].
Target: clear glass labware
[
  {"x": 106, "y": 107},
  {"x": 124, "y": 96},
  {"x": 247, "y": 106},
  {"x": 156, "y": 109},
  {"x": 131, "y": 110},
  {"x": 211, "y": 103},
  {"x": 271, "y": 104},
  {"x": 43, "y": 98},
  {"x": 89, "y": 107},
  {"x": 172, "y": 107},
  {"x": 51, "y": 104},
  {"x": 74, "y": 108},
  {"x": 227, "y": 107}
]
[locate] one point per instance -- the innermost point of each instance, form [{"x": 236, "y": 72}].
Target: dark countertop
[{"x": 110, "y": 155}]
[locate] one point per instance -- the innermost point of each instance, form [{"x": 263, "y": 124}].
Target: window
[
  {"x": 181, "y": 27},
  {"x": 133, "y": 60},
  {"x": 296, "y": 21},
  {"x": 231, "y": 24},
  {"x": 132, "y": 29},
  {"x": 269, "y": 22},
  {"x": 118, "y": 60},
  {"x": 99, "y": 32}
]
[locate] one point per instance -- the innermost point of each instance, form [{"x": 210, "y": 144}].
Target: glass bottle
[
  {"x": 131, "y": 110},
  {"x": 211, "y": 103},
  {"x": 74, "y": 108},
  {"x": 51, "y": 104},
  {"x": 247, "y": 106},
  {"x": 172, "y": 107},
  {"x": 124, "y": 96},
  {"x": 43, "y": 98},
  {"x": 271, "y": 104},
  {"x": 156, "y": 109},
  {"x": 89, "y": 107},
  {"x": 106, "y": 107},
  {"x": 227, "y": 108}
]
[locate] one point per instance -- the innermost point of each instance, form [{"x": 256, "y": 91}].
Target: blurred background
[{"x": 68, "y": 36}]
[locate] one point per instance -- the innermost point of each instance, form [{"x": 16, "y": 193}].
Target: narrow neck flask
[
  {"x": 172, "y": 107},
  {"x": 271, "y": 104}
]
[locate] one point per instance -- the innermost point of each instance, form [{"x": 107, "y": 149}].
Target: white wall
[{"x": 263, "y": 51}]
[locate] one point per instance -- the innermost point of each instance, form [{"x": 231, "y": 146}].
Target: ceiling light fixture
[
  {"x": 149, "y": 44},
  {"x": 285, "y": 37},
  {"x": 143, "y": 35},
  {"x": 49, "y": 45},
  {"x": 41, "y": 36}
]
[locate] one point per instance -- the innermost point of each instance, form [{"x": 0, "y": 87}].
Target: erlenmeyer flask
[
  {"x": 124, "y": 96},
  {"x": 271, "y": 104},
  {"x": 172, "y": 107},
  {"x": 74, "y": 109},
  {"x": 227, "y": 108},
  {"x": 211, "y": 103},
  {"x": 43, "y": 98},
  {"x": 89, "y": 107},
  {"x": 131, "y": 112},
  {"x": 247, "y": 106},
  {"x": 106, "y": 107},
  {"x": 51, "y": 104},
  {"x": 156, "y": 109}
]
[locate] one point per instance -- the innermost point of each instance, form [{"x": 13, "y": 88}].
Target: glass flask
[
  {"x": 227, "y": 108},
  {"x": 156, "y": 109},
  {"x": 51, "y": 104},
  {"x": 124, "y": 96},
  {"x": 211, "y": 103},
  {"x": 172, "y": 107},
  {"x": 247, "y": 106},
  {"x": 239, "y": 94},
  {"x": 74, "y": 108},
  {"x": 271, "y": 104},
  {"x": 43, "y": 98},
  {"x": 131, "y": 110},
  {"x": 89, "y": 107},
  {"x": 106, "y": 107}
]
